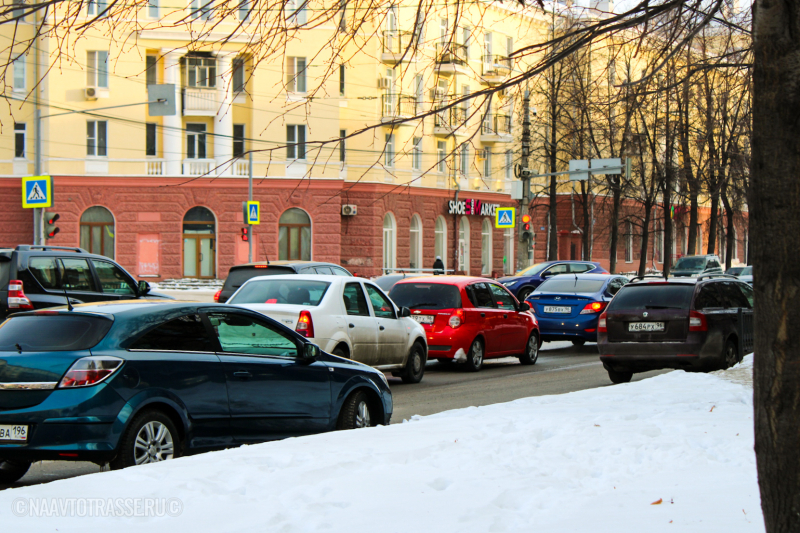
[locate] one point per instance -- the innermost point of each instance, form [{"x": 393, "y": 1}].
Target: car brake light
[
  {"x": 16, "y": 297},
  {"x": 216, "y": 296},
  {"x": 697, "y": 321},
  {"x": 594, "y": 307},
  {"x": 89, "y": 371},
  {"x": 305, "y": 326},
  {"x": 456, "y": 319},
  {"x": 601, "y": 324}
]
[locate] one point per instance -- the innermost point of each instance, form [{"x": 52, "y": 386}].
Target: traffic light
[
  {"x": 525, "y": 227},
  {"x": 50, "y": 229},
  {"x": 245, "y": 234}
]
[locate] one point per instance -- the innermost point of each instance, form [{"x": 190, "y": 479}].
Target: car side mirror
[
  {"x": 524, "y": 306},
  {"x": 311, "y": 351},
  {"x": 405, "y": 312},
  {"x": 144, "y": 288}
]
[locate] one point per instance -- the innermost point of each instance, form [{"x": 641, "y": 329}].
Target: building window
[
  {"x": 97, "y": 138},
  {"x": 463, "y": 245},
  {"x": 508, "y": 252},
  {"x": 152, "y": 9},
  {"x": 201, "y": 72},
  {"x": 238, "y": 75},
  {"x": 96, "y": 7},
  {"x": 341, "y": 80},
  {"x": 296, "y": 74},
  {"x": 151, "y": 72},
  {"x": 20, "y": 74},
  {"x": 150, "y": 144},
  {"x": 295, "y": 142},
  {"x": 486, "y": 248},
  {"x": 465, "y": 38},
  {"x": 296, "y": 12},
  {"x": 487, "y": 48},
  {"x": 202, "y": 8},
  {"x": 415, "y": 243},
  {"x": 19, "y": 12},
  {"x": 97, "y": 69},
  {"x": 440, "y": 239},
  {"x": 464, "y": 159},
  {"x": 238, "y": 140},
  {"x": 342, "y": 147},
  {"x": 195, "y": 141},
  {"x": 416, "y": 154},
  {"x": 440, "y": 154},
  {"x": 629, "y": 244},
  {"x": 97, "y": 231},
  {"x": 19, "y": 140},
  {"x": 294, "y": 235},
  {"x": 199, "y": 236},
  {"x": 443, "y": 30},
  {"x": 389, "y": 243},
  {"x": 487, "y": 162},
  {"x": 244, "y": 9},
  {"x": 735, "y": 251},
  {"x": 419, "y": 88},
  {"x": 389, "y": 152}
]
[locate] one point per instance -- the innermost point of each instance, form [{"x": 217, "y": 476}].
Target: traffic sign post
[
  {"x": 37, "y": 191},
  {"x": 504, "y": 217}
]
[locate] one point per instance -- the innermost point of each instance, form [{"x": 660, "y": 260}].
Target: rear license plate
[
  {"x": 645, "y": 326},
  {"x": 554, "y": 309},
  {"x": 14, "y": 433},
  {"x": 424, "y": 319}
]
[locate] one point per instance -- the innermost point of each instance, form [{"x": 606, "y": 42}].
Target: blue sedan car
[
  {"x": 525, "y": 281},
  {"x": 567, "y": 306},
  {"x": 129, "y": 383}
]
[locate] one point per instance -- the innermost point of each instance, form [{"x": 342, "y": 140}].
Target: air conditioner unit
[
  {"x": 384, "y": 83},
  {"x": 90, "y": 93},
  {"x": 349, "y": 210}
]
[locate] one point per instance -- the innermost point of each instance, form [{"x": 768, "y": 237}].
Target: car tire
[
  {"x": 340, "y": 353},
  {"x": 150, "y": 427},
  {"x": 415, "y": 367},
  {"x": 578, "y": 342},
  {"x": 356, "y": 412},
  {"x": 730, "y": 355},
  {"x": 12, "y": 471},
  {"x": 524, "y": 293},
  {"x": 620, "y": 376},
  {"x": 475, "y": 356},
  {"x": 531, "y": 350}
]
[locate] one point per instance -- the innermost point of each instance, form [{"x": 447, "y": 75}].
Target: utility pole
[
  {"x": 523, "y": 173},
  {"x": 250, "y": 199},
  {"x": 38, "y": 213}
]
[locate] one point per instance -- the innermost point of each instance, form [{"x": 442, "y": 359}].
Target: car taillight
[
  {"x": 90, "y": 371},
  {"x": 594, "y": 307},
  {"x": 305, "y": 326},
  {"x": 601, "y": 324},
  {"x": 216, "y": 296},
  {"x": 16, "y": 297},
  {"x": 697, "y": 321},
  {"x": 456, "y": 319}
]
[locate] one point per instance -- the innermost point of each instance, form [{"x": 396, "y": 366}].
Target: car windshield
[
  {"x": 571, "y": 284},
  {"x": 281, "y": 291},
  {"x": 52, "y": 333},
  {"x": 653, "y": 296},
  {"x": 690, "y": 263},
  {"x": 533, "y": 270},
  {"x": 238, "y": 276},
  {"x": 426, "y": 296},
  {"x": 746, "y": 271}
]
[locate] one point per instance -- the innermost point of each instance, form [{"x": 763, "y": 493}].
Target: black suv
[
  {"x": 240, "y": 273},
  {"x": 696, "y": 265},
  {"x": 33, "y": 277},
  {"x": 695, "y": 324}
]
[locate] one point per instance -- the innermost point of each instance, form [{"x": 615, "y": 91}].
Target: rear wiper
[
  {"x": 661, "y": 307},
  {"x": 424, "y": 303}
]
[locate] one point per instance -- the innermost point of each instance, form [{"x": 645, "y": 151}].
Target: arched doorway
[
  {"x": 199, "y": 243},
  {"x": 97, "y": 231},
  {"x": 389, "y": 243},
  {"x": 294, "y": 235}
]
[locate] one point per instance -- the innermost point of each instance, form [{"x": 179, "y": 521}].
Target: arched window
[
  {"x": 389, "y": 243},
  {"x": 463, "y": 245},
  {"x": 97, "y": 231},
  {"x": 508, "y": 252},
  {"x": 440, "y": 240},
  {"x": 294, "y": 235},
  {"x": 199, "y": 243},
  {"x": 486, "y": 248},
  {"x": 415, "y": 243}
]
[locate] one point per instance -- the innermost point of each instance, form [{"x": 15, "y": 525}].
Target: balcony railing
[
  {"x": 200, "y": 101},
  {"x": 496, "y": 124},
  {"x": 197, "y": 167},
  {"x": 494, "y": 65},
  {"x": 395, "y": 44},
  {"x": 241, "y": 168},
  {"x": 450, "y": 119},
  {"x": 451, "y": 53},
  {"x": 155, "y": 167},
  {"x": 396, "y": 105}
]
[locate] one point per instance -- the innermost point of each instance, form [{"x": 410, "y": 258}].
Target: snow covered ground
[{"x": 670, "y": 453}]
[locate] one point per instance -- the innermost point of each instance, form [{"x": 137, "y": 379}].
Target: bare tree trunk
[
  {"x": 667, "y": 235},
  {"x": 729, "y": 230},
  {"x": 645, "y": 239},
  {"x": 712, "y": 223},
  {"x": 616, "y": 194},
  {"x": 775, "y": 219},
  {"x": 691, "y": 248}
]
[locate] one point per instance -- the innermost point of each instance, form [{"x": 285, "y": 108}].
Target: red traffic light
[
  {"x": 526, "y": 227},
  {"x": 245, "y": 234},
  {"x": 53, "y": 219},
  {"x": 53, "y": 233}
]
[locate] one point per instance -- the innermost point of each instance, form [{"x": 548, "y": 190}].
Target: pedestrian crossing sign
[
  {"x": 504, "y": 217},
  {"x": 37, "y": 191},
  {"x": 253, "y": 213}
]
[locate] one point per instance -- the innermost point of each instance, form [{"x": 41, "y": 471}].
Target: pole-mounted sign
[{"x": 37, "y": 191}]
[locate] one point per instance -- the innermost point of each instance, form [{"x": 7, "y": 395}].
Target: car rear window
[
  {"x": 52, "y": 333},
  {"x": 690, "y": 263},
  {"x": 653, "y": 296},
  {"x": 281, "y": 291},
  {"x": 238, "y": 276},
  {"x": 426, "y": 296},
  {"x": 570, "y": 284}
]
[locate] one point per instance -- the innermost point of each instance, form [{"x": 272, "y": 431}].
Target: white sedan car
[{"x": 345, "y": 316}]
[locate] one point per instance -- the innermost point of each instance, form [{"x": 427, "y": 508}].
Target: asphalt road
[{"x": 561, "y": 368}]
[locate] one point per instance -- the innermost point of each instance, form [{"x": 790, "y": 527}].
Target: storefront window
[
  {"x": 294, "y": 235},
  {"x": 389, "y": 243},
  {"x": 97, "y": 231},
  {"x": 440, "y": 240},
  {"x": 486, "y": 248},
  {"x": 199, "y": 243},
  {"x": 463, "y": 245},
  {"x": 415, "y": 243}
]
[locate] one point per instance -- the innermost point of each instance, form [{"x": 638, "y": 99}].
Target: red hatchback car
[{"x": 469, "y": 319}]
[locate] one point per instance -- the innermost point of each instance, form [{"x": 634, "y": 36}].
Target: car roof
[
  {"x": 287, "y": 264},
  {"x": 598, "y": 276},
  {"x": 459, "y": 281},
  {"x": 133, "y": 307},
  {"x": 308, "y": 277}
]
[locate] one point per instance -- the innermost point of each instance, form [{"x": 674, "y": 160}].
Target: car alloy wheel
[
  {"x": 415, "y": 367},
  {"x": 524, "y": 293},
  {"x": 356, "y": 412},
  {"x": 531, "y": 350},
  {"x": 151, "y": 437},
  {"x": 362, "y": 415},
  {"x": 730, "y": 355},
  {"x": 153, "y": 444},
  {"x": 475, "y": 357}
]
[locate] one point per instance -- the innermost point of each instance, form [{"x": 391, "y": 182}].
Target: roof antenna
[{"x": 69, "y": 304}]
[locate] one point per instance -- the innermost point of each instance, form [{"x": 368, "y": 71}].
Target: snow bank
[{"x": 593, "y": 461}]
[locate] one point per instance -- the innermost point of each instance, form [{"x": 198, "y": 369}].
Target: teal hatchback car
[{"x": 128, "y": 383}]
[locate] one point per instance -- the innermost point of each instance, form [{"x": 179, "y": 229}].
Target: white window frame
[
  {"x": 198, "y": 138},
  {"x": 96, "y": 76},
  {"x": 295, "y": 147},
  {"x": 21, "y": 128},
  {"x": 205, "y": 72},
  {"x": 389, "y": 243},
  {"x": 487, "y": 162},
  {"x": 416, "y": 154},
  {"x": 486, "y": 248},
  {"x": 95, "y": 7},
  {"x": 20, "y": 74},
  {"x": 487, "y": 48},
  {"x": 93, "y": 138},
  {"x": 388, "y": 153},
  {"x": 440, "y": 239},
  {"x": 464, "y": 160},
  {"x": 238, "y": 74},
  {"x": 441, "y": 150},
  {"x": 415, "y": 242},
  {"x": 342, "y": 146},
  {"x": 154, "y": 127},
  {"x": 243, "y": 10},
  {"x": 152, "y": 9},
  {"x": 202, "y": 9},
  {"x": 296, "y": 12},
  {"x": 296, "y": 78}
]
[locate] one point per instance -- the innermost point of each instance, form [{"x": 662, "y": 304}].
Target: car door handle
[
  {"x": 243, "y": 374},
  {"x": 483, "y": 314},
  {"x": 352, "y": 325},
  {"x": 382, "y": 328},
  {"x": 505, "y": 316}
]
